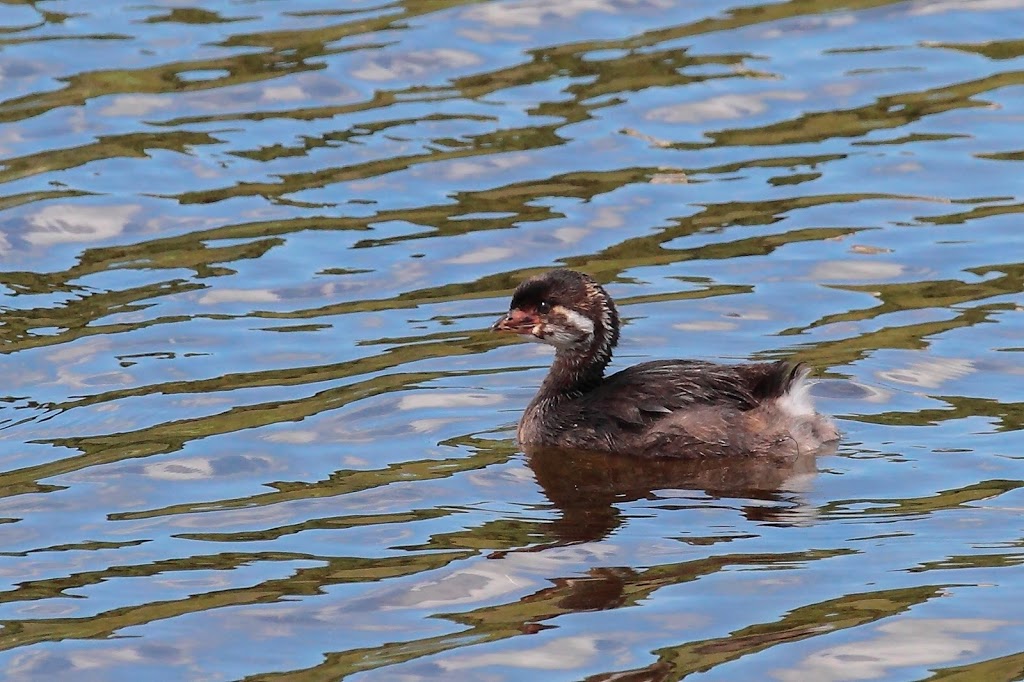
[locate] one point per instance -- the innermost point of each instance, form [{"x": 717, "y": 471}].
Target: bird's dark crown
[{"x": 556, "y": 287}]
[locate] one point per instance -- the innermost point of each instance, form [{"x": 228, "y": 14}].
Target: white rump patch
[{"x": 797, "y": 400}]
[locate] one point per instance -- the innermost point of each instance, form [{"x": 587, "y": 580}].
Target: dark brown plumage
[{"x": 664, "y": 408}]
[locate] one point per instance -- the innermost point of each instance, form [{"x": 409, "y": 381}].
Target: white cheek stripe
[{"x": 582, "y": 323}]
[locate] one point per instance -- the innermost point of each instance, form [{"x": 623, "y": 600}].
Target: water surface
[{"x": 253, "y": 425}]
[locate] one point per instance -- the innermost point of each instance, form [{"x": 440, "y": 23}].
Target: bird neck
[{"x": 579, "y": 369}]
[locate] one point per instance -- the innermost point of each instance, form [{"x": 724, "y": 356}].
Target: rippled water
[{"x": 253, "y": 425}]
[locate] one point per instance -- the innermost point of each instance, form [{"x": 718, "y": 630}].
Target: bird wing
[{"x": 660, "y": 388}]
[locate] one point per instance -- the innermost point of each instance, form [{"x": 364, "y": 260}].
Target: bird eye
[{"x": 543, "y": 307}]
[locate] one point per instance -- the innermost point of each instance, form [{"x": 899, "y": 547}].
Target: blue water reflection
[{"x": 254, "y": 426}]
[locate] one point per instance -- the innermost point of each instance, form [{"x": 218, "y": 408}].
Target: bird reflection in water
[
  {"x": 591, "y": 492},
  {"x": 588, "y": 487}
]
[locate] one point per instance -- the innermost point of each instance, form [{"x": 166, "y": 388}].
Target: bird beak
[{"x": 516, "y": 322}]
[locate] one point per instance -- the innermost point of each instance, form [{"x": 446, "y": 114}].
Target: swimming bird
[{"x": 662, "y": 408}]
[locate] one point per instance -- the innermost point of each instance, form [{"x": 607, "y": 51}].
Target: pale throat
[{"x": 580, "y": 355}]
